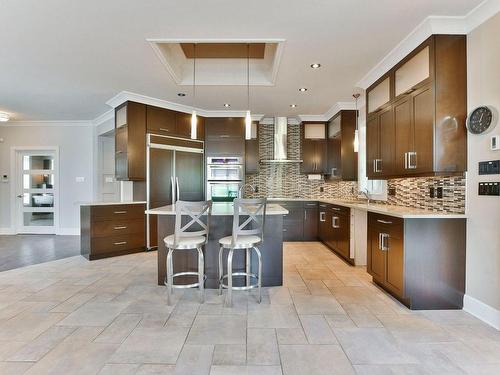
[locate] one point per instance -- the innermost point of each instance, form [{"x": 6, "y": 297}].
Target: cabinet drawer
[
  {"x": 293, "y": 231},
  {"x": 389, "y": 224},
  {"x": 340, "y": 209},
  {"x": 117, "y": 227},
  {"x": 118, "y": 211},
  {"x": 102, "y": 245},
  {"x": 290, "y": 204},
  {"x": 310, "y": 204},
  {"x": 294, "y": 214}
]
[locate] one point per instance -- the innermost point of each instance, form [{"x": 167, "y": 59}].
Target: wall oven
[{"x": 225, "y": 176}]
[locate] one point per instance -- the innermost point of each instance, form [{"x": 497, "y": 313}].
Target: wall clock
[{"x": 482, "y": 119}]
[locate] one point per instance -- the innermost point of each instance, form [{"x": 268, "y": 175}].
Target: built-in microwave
[
  {"x": 225, "y": 169},
  {"x": 223, "y": 191}
]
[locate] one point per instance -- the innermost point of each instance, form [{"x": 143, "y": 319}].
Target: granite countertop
[
  {"x": 219, "y": 209},
  {"x": 109, "y": 203},
  {"x": 385, "y": 209}
]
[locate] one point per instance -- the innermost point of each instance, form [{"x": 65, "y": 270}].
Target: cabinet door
[
  {"x": 310, "y": 224},
  {"x": 224, "y": 128},
  {"x": 376, "y": 257},
  {"x": 252, "y": 156},
  {"x": 308, "y": 156},
  {"x": 322, "y": 224},
  {"x": 189, "y": 173},
  {"x": 321, "y": 156},
  {"x": 183, "y": 124},
  {"x": 394, "y": 278},
  {"x": 334, "y": 166},
  {"x": 331, "y": 237},
  {"x": 387, "y": 142},
  {"x": 121, "y": 166},
  {"x": 160, "y": 121},
  {"x": 423, "y": 112},
  {"x": 372, "y": 146},
  {"x": 343, "y": 234},
  {"x": 404, "y": 138}
]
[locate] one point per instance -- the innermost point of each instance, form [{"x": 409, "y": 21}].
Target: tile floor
[{"x": 107, "y": 317}]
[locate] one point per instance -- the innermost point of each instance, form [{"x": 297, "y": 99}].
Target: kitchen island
[{"x": 220, "y": 226}]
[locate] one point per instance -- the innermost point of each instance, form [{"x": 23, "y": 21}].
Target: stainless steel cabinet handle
[
  {"x": 164, "y": 129},
  {"x": 384, "y": 221},
  {"x": 384, "y": 242},
  {"x": 119, "y": 152},
  {"x": 380, "y": 241},
  {"x": 19, "y": 196},
  {"x": 310, "y": 204},
  {"x": 120, "y": 212},
  {"x": 406, "y": 160},
  {"x": 284, "y": 229},
  {"x": 305, "y": 214},
  {"x": 335, "y": 220},
  {"x": 118, "y": 228},
  {"x": 120, "y": 243},
  {"x": 172, "y": 185},
  {"x": 321, "y": 216},
  {"x": 412, "y": 156},
  {"x": 224, "y": 136},
  {"x": 378, "y": 165},
  {"x": 336, "y": 209},
  {"x": 177, "y": 188}
]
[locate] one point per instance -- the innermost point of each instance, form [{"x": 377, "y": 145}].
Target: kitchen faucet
[
  {"x": 366, "y": 194},
  {"x": 242, "y": 188}
]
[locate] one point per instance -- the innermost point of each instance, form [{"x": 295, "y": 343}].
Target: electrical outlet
[
  {"x": 439, "y": 192},
  {"x": 392, "y": 192},
  {"x": 321, "y": 189},
  {"x": 256, "y": 189},
  {"x": 432, "y": 192}
]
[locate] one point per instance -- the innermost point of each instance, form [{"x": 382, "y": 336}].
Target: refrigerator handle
[
  {"x": 177, "y": 188},
  {"x": 172, "y": 185}
]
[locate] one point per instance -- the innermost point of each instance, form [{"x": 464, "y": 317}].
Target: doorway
[{"x": 36, "y": 192}]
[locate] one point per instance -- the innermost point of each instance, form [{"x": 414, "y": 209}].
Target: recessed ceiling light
[
  {"x": 315, "y": 65},
  {"x": 4, "y": 117},
  {"x": 181, "y": 94},
  {"x": 227, "y": 105},
  {"x": 302, "y": 89},
  {"x": 293, "y": 105}
]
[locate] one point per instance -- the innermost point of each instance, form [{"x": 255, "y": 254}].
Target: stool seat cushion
[
  {"x": 242, "y": 242},
  {"x": 185, "y": 242}
]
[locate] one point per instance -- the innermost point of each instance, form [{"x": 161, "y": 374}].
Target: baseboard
[
  {"x": 7, "y": 231},
  {"x": 68, "y": 232},
  {"x": 481, "y": 310}
]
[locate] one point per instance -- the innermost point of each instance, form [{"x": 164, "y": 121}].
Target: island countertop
[{"x": 219, "y": 209}]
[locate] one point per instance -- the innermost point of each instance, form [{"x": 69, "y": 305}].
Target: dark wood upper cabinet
[
  {"x": 252, "y": 151},
  {"x": 225, "y": 136},
  {"x": 314, "y": 148},
  {"x": 342, "y": 161},
  {"x": 164, "y": 121},
  {"x": 427, "y": 95},
  {"x": 160, "y": 121},
  {"x": 130, "y": 142}
]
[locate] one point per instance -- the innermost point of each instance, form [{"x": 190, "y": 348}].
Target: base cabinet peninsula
[{"x": 220, "y": 226}]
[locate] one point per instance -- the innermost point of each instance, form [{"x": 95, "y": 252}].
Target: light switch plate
[
  {"x": 80, "y": 179},
  {"x": 495, "y": 143}
]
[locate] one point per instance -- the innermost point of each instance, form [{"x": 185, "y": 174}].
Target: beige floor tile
[
  {"x": 119, "y": 369},
  {"x": 194, "y": 360},
  {"x": 312, "y": 305},
  {"x": 246, "y": 370},
  {"x": 97, "y": 314},
  {"x": 273, "y": 316},
  {"x": 291, "y": 336},
  {"x": 27, "y": 326},
  {"x": 73, "y": 302},
  {"x": 371, "y": 346},
  {"x": 339, "y": 321},
  {"x": 36, "y": 349},
  {"x": 317, "y": 330},
  {"x": 212, "y": 329},
  {"x": 16, "y": 368},
  {"x": 152, "y": 369},
  {"x": 119, "y": 329},
  {"x": 314, "y": 359},
  {"x": 415, "y": 328},
  {"x": 230, "y": 355},
  {"x": 151, "y": 345},
  {"x": 262, "y": 347}
]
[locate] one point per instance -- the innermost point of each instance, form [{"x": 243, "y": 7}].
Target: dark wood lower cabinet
[
  {"x": 421, "y": 262},
  {"x": 301, "y": 222},
  {"x": 111, "y": 230}
]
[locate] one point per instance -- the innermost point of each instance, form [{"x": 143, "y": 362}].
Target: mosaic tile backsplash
[{"x": 276, "y": 180}]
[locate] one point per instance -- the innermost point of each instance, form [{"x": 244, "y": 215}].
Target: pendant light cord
[
  {"x": 248, "y": 76},
  {"x": 194, "y": 75}
]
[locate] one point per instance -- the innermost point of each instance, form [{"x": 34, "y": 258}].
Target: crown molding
[
  {"x": 106, "y": 116},
  {"x": 45, "y": 123},
  {"x": 124, "y": 96},
  {"x": 429, "y": 26}
]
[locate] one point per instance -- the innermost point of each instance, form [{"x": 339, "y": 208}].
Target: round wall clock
[{"x": 482, "y": 119}]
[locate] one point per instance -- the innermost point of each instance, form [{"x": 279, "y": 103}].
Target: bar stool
[
  {"x": 248, "y": 235},
  {"x": 182, "y": 239}
]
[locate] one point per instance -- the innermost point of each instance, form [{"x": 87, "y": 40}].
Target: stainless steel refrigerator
[{"x": 175, "y": 171}]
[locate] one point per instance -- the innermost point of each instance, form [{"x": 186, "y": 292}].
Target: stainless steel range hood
[{"x": 280, "y": 143}]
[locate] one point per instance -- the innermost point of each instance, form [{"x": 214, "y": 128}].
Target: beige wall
[{"x": 483, "y": 228}]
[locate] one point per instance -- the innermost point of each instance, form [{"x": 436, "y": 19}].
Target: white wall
[
  {"x": 76, "y": 159},
  {"x": 483, "y": 226}
]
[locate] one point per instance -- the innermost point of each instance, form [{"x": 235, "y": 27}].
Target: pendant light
[
  {"x": 194, "y": 121},
  {"x": 356, "y": 132},
  {"x": 248, "y": 118}
]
